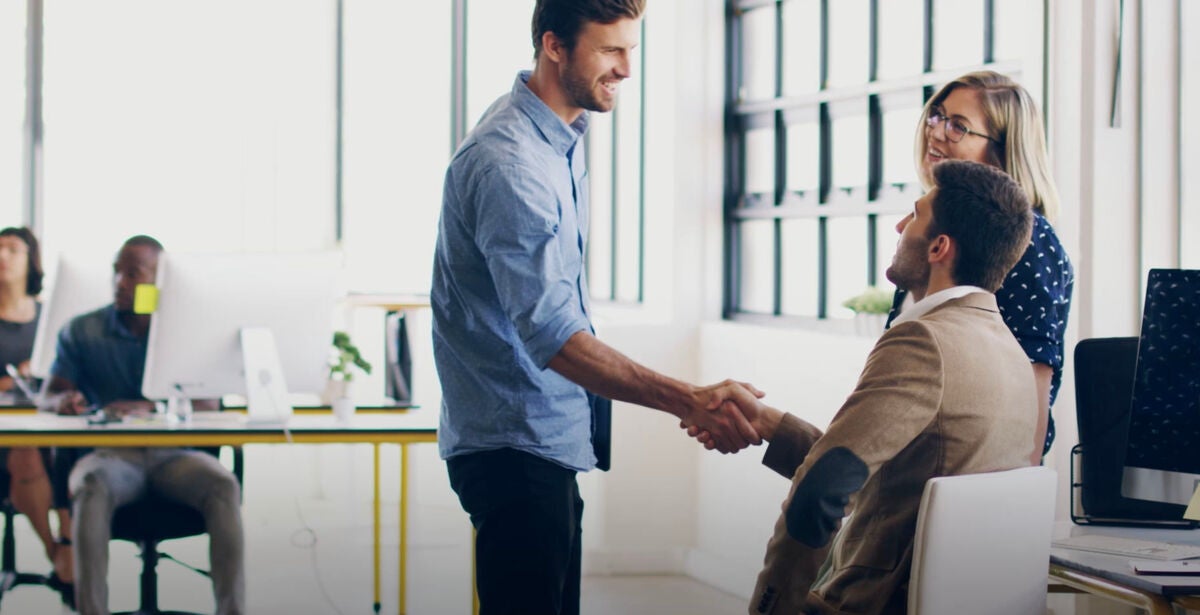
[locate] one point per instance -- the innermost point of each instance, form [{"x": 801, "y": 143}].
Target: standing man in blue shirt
[
  {"x": 100, "y": 360},
  {"x": 513, "y": 340}
]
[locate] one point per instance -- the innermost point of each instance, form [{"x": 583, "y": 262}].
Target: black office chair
[
  {"x": 10, "y": 577},
  {"x": 153, "y": 519},
  {"x": 1104, "y": 372}
]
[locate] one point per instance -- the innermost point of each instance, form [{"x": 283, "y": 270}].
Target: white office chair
[{"x": 983, "y": 544}]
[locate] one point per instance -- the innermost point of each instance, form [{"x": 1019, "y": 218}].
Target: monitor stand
[{"x": 266, "y": 391}]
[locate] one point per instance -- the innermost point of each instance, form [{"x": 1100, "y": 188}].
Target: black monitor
[{"x": 1162, "y": 458}]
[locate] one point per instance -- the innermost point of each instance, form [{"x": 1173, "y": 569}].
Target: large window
[
  {"x": 331, "y": 128},
  {"x": 179, "y": 120},
  {"x": 824, "y": 97},
  {"x": 12, "y": 111}
]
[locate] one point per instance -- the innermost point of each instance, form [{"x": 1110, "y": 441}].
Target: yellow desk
[
  {"x": 1110, "y": 576},
  {"x": 24, "y": 427}
]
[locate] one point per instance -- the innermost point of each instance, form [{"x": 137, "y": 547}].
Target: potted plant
[
  {"x": 345, "y": 359},
  {"x": 870, "y": 309}
]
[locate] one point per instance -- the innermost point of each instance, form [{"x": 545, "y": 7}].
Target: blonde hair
[{"x": 1013, "y": 121}]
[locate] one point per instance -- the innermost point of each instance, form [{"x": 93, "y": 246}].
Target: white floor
[{"x": 328, "y": 570}]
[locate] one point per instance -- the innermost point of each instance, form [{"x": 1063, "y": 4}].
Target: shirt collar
[
  {"x": 555, "y": 131},
  {"x": 118, "y": 328},
  {"x": 927, "y": 304}
]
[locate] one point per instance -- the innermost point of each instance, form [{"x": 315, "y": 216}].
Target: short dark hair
[
  {"x": 143, "y": 240},
  {"x": 987, "y": 215},
  {"x": 565, "y": 18},
  {"x": 34, "y": 275}
]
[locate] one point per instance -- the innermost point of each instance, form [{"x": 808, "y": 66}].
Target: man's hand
[
  {"x": 725, "y": 411},
  {"x": 72, "y": 403},
  {"x": 765, "y": 422}
]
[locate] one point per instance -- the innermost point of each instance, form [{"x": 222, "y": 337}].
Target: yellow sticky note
[
  {"x": 145, "y": 299},
  {"x": 1193, "y": 509}
]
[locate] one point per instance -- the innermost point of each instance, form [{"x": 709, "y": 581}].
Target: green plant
[
  {"x": 346, "y": 355},
  {"x": 873, "y": 300}
]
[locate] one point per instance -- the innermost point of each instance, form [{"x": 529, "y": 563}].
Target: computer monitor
[
  {"x": 80, "y": 284},
  {"x": 1162, "y": 457},
  {"x": 205, "y": 301}
]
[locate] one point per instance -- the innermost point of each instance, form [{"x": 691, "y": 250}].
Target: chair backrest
[
  {"x": 983, "y": 544},
  {"x": 1104, "y": 373}
]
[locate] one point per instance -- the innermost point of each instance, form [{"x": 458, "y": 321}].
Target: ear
[
  {"x": 942, "y": 250},
  {"x": 553, "y": 47}
]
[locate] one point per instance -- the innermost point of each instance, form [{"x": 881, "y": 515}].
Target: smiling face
[
  {"x": 910, "y": 265},
  {"x": 594, "y": 69},
  {"x": 961, "y": 106}
]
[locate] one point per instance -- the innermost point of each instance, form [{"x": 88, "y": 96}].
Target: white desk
[
  {"x": 24, "y": 427},
  {"x": 1111, "y": 577}
]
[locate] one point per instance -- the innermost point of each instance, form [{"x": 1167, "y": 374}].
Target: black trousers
[{"x": 526, "y": 512}]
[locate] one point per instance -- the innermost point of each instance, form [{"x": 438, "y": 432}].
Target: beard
[
  {"x": 910, "y": 269},
  {"x": 581, "y": 91}
]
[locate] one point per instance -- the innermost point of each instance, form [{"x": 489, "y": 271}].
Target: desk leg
[
  {"x": 1153, "y": 604},
  {"x": 375, "y": 509},
  {"x": 403, "y": 527}
]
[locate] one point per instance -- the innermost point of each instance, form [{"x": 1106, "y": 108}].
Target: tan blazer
[{"x": 948, "y": 393}]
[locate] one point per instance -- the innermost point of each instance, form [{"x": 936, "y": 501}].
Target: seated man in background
[
  {"x": 100, "y": 360},
  {"x": 945, "y": 391}
]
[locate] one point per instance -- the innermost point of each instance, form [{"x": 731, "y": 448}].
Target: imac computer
[
  {"x": 1162, "y": 458},
  {"x": 80, "y": 285},
  {"x": 259, "y": 325}
]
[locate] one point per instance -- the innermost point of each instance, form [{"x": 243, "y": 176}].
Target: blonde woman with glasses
[{"x": 987, "y": 117}]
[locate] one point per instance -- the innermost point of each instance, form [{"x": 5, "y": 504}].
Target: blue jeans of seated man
[{"x": 107, "y": 478}]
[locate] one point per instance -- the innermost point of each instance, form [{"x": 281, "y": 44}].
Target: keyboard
[{"x": 1129, "y": 547}]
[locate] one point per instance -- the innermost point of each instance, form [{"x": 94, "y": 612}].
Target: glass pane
[
  {"x": 885, "y": 247},
  {"x": 499, "y": 44},
  {"x": 801, "y": 47},
  {"x": 758, "y": 54},
  {"x": 628, "y": 118},
  {"x": 849, "y": 42},
  {"x": 395, "y": 144},
  {"x": 207, "y": 146},
  {"x": 760, "y": 161},
  {"x": 900, "y": 37},
  {"x": 803, "y": 157},
  {"x": 850, "y": 151},
  {"x": 899, "y": 133},
  {"x": 847, "y": 241},
  {"x": 757, "y": 251},
  {"x": 800, "y": 254},
  {"x": 12, "y": 111},
  {"x": 957, "y": 33},
  {"x": 1012, "y": 35},
  {"x": 600, "y": 177}
]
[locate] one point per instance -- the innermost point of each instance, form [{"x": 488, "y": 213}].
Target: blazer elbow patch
[{"x": 822, "y": 495}]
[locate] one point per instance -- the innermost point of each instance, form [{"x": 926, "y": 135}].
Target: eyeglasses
[{"x": 955, "y": 130}]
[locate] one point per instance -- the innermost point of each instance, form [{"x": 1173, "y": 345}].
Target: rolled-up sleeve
[{"x": 518, "y": 230}]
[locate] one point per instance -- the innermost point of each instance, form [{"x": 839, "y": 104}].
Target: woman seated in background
[
  {"x": 987, "y": 117},
  {"x": 29, "y": 485}
]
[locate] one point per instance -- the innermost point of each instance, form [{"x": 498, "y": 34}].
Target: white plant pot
[
  {"x": 343, "y": 410},
  {"x": 335, "y": 389}
]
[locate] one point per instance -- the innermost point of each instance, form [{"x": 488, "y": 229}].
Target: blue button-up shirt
[{"x": 509, "y": 286}]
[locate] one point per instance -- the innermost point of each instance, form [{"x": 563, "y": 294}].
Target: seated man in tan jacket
[{"x": 946, "y": 391}]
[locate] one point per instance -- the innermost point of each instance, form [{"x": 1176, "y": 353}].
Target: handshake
[{"x": 728, "y": 416}]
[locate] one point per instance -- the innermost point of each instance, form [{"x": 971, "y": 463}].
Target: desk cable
[{"x": 306, "y": 537}]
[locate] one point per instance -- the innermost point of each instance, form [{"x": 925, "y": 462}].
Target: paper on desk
[{"x": 1193, "y": 509}]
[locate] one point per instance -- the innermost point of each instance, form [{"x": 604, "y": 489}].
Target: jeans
[{"x": 107, "y": 478}]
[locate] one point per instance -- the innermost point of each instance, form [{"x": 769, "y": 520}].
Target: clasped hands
[{"x": 723, "y": 416}]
